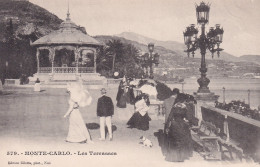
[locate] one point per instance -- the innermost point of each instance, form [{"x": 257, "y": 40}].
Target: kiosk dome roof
[{"x": 68, "y": 33}]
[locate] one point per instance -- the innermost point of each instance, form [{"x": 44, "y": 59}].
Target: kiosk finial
[{"x": 68, "y": 13}]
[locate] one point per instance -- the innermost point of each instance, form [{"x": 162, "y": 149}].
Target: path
[{"x": 33, "y": 121}]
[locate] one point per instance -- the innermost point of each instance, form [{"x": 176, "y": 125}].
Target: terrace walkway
[{"x": 33, "y": 121}]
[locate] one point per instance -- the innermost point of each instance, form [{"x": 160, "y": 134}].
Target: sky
[{"x": 165, "y": 20}]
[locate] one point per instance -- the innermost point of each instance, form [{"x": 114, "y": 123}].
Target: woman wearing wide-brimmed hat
[
  {"x": 79, "y": 97},
  {"x": 178, "y": 143}
]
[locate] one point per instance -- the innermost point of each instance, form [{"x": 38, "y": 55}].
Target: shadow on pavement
[
  {"x": 161, "y": 137},
  {"x": 94, "y": 126}
]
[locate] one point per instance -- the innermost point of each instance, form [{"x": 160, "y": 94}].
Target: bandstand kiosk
[{"x": 70, "y": 54}]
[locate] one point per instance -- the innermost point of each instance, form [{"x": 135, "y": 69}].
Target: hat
[
  {"x": 103, "y": 90},
  {"x": 175, "y": 91}
]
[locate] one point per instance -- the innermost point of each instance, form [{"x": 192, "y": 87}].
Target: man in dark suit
[{"x": 105, "y": 110}]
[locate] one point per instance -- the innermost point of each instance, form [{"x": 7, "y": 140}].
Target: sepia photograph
[{"x": 156, "y": 83}]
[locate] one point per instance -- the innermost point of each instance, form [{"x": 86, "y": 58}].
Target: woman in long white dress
[{"x": 79, "y": 97}]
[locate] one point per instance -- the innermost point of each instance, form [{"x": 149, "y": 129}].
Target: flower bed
[{"x": 239, "y": 108}]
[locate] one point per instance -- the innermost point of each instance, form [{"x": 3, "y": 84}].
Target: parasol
[{"x": 149, "y": 89}]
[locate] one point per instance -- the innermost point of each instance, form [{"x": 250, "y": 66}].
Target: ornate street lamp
[
  {"x": 210, "y": 41},
  {"x": 148, "y": 59},
  {"x": 190, "y": 37},
  {"x": 151, "y": 47},
  {"x": 202, "y": 13}
]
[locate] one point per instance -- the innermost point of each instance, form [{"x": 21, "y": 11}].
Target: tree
[
  {"x": 103, "y": 61},
  {"x": 17, "y": 56},
  {"x": 131, "y": 62},
  {"x": 9, "y": 50},
  {"x": 116, "y": 50},
  {"x": 120, "y": 57},
  {"x": 26, "y": 55}
]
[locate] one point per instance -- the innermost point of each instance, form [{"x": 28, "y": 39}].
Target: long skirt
[
  {"x": 121, "y": 103},
  {"x": 178, "y": 143},
  {"x": 131, "y": 96},
  {"x": 78, "y": 131},
  {"x": 139, "y": 122}
]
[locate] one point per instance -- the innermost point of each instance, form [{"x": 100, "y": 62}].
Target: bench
[
  {"x": 231, "y": 147},
  {"x": 206, "y": 135},
  {"x": 234, "y": 126}
]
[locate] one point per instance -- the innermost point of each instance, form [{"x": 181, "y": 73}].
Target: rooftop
[{"x": 68, "y": 33}]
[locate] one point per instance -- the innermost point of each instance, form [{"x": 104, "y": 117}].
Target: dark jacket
[{"x": 105, "y": 107}]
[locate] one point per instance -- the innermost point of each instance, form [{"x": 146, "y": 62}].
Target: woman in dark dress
[
  {"x": 140, "y": 119},
  {"x": 121, "y": 94},
  {"x": 179, "y": 142},
  {"x": 130, "y": 92}
]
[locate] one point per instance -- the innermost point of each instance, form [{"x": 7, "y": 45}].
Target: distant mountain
[
  {"x": 168, "y": 58},
  {"x": 171, "y": 45},
  {"x": 177, "y": 47},
  {"x": 141, "y": 47},
  {"x": 250, "y": 58}
]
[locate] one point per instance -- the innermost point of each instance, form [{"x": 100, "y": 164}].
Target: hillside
[
  {"x": 177, "y": 62},
  {"x": 250, "y": 58},
  {"x": 20, "y": 23},
  {"x": 172, "y": 45},
  {"x": 27, "y": 18},
  {"x": 141, "y": 47}
]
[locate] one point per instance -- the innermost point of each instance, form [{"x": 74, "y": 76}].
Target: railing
[
  {"x": 66, "y": 69},
  {"x": 86, "y": 69},
  {"x": 45, "y": 70},
  {"x": 243, "y": 130}
]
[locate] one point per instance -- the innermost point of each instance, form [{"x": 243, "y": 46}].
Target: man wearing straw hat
[{"x": 105, "y": 110}]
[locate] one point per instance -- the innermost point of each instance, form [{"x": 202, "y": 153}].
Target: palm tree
[
  {"x": 102, "y": 59},
  {"x": 123, "y": 57},
  {"x": 116, "y": 50},
  {"x": 131, "y": 52}
]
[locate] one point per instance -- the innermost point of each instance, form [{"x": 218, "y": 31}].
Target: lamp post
[
  {"x": 1, "y": 86},
  {"x": 210, "y": 41},
  {"x": 6, "y": 69},
  {"x": 224, "y": 95},
  {"x": 248, "y": 91},
  {"x": 148, "y": 59}
]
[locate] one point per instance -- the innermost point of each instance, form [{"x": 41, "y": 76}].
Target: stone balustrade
[
  {"x": 66, "y": 69},
  {"x": 234, "y": 127}
]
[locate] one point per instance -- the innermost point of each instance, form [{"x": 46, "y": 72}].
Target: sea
[{"x": 247, "y": 90}]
